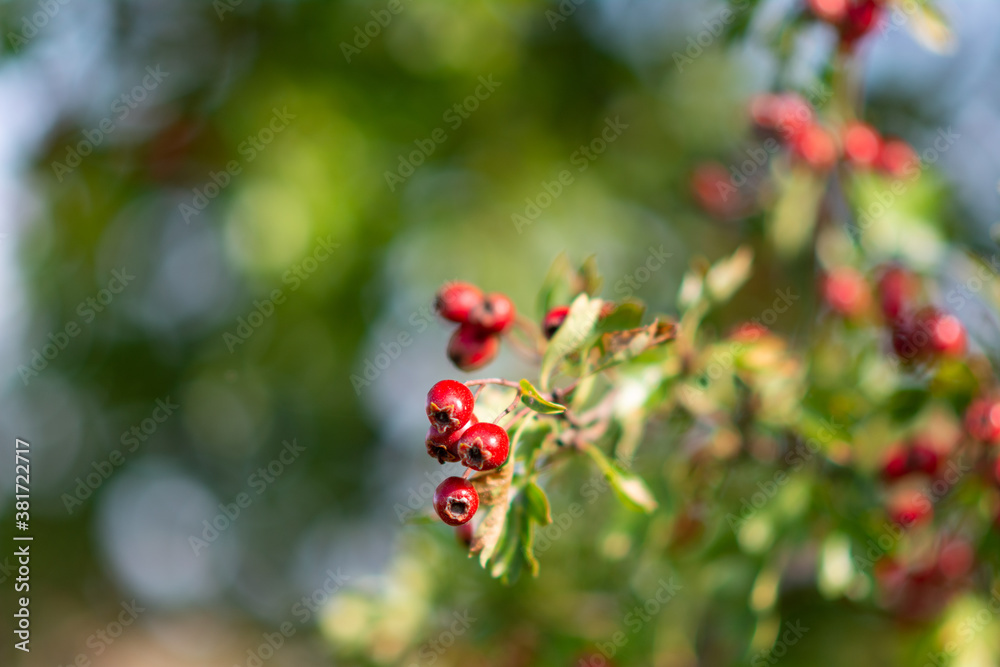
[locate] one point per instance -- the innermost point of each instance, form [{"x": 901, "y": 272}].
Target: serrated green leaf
[
  {"x": 538, "y": 504},
  {"x": 571, "y": 336},
  {"x": 632, "y": 491},
  {"x": 532, "y": 398}
]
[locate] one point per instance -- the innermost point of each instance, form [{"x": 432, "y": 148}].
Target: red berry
[
  {"x": 955, "y": 559},
  {"x": 484, "y": 447},
  {"x": 713, "y": 190},
  {"x": 553, "y": 320},
  {"x": 897, "y": 463},
  {"x": 454, "y": 301},
  {"x": 463, "y": 533},
  {"x": 456, "y": 501},
  {"x": 924, "y": 458},
  {"x": 449, "y": 406},
  {"x": 946, "y": 333},
  {"x": 494, "y": 315},
  {"x": 982, "y": 421},
  {"x": 748, "y": 332},
  {"x": 846, "y": 292},
  {"x": 862, "y": 144},
  {"x": 862, "y": 16},
  {"x": 831, "y": 11},
  {"x": 444, "y": 446},
  {"x": 897, "y": 159},
  {"x": 896, "y": 288},
  {"x": 816, "y": 147},
  {"x": 910, "y": 508},
  {"x": 792, "y": 115},
  {"x": 470, "y": 347}
]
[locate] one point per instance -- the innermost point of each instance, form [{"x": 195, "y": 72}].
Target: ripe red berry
[
  {"x": 470, "y": 348},
  {"x": 449, "y": 406},
  {"x": 494, "y": 315},
  {"x": 463, "y": 533},
  {"x": 982, "y": 421},
  {"x": 924, "y": 458},
  {"x": 846, "y": 292},
  {"x": 896, "y": 289},
  {"x": 896, "y": 463},
  {"x": 454, "y": 301},
  {"x": 898, "y": 159},
  {"x": 456, "y": 501},
  {"x": 955, "y": 559},
  {"x": 910, "y": 508},
  {"x": 712, "y": 188},
  {"x": 816, "y": 147},
  {"x": 862, "y": 144},
  {"x": 862, "y": 16},
  {"x": 786, "y": 113},
  {"x": 553, "y": 320},
  {"x": 444, "y": 446},
  {"x": 945, "y": 332},
  {"x": 484, "y": 447},
  {"x": 831, "y": 11}
]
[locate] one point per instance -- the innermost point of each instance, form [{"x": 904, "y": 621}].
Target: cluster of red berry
[
  {"x": 853, "y": 19},
  {"x": 456, "y": 435},
  {"x": 919, "y": 590},
  {"x": 481, "y": 319}
]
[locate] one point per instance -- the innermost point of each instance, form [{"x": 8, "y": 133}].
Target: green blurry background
[{"x": 313, "y": 114}]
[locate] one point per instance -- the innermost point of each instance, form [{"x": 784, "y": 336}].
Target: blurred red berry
[
  {"x": 955, "y": 559},
  {"x": 910, "y": 508},
  {"x": 470, "y": 347},
  {"x": 945, "y": 332},
  {"x": 494, "y": 315},
  {"x": 454, "y": 301},
  {"x": 749, "y": 332},
  {"x": 924, "y": 458},
  {"x": 463, "y": 533},
  {"x": 896, "y": 463},
  {"x": 846, "y": 291},
  {"x": 714, "y": 192},
  {"x": 831, "y": 11},
  {"x": 862, "y": 144},
  {"x": 816, "y": 147},
  {"x": 862, "y": 16},
  {"x": 982, "y": 420},
  {"x": 896, "y": 289},
  {"x": 553, "y": 320},
  {"x": 897, "y": 159}
]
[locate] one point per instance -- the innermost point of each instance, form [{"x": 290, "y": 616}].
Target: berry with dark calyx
[
  {"x": 470, "y": 347},
  {"x": 444, "y": 446},
  {"x": 910, "y": 341},
  {"x": 449, "y": 406},
  {"x": 945, "y": 332},
  {"x": 896, "y": 289},
  {"x": 982, "y": 421},
  {"x": 484, "y": 447},
  {"x": 846, "y": 292},
  {"x": 454, "y": 301},
  {"x": 456, "y": 501},
  {"x": 553, "y": 320},
  {"x": 862, "y": 144},
  {"x": 494, "y": 315}
]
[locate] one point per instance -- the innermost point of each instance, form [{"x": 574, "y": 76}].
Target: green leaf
[
  {"x": 538, "y": 504},
  {"x": 626, "y": 315},
  {"x": 729, "y": 274},
  {"x": 590, "y": 280},
  {"x": 557, "y": 288},
  {"x": 571, "y": 336},
  {"x": 534, "y": 400},
  {"x": 621, "y": 346},
  {"x": 632, "y": 491}
]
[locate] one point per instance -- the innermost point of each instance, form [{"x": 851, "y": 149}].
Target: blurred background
[{"x": 221, "y": 228}]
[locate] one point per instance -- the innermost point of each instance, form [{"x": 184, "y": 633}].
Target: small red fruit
[
  {"x": 712, "y": 188},
  {"x": 484, "y": 446},
  {"x": 816, "y": 147},
  {"x": 494, "y": 315},
  {"x": 553, "y": 320},
  {"x": 897, "y": 463},
  {"x": 792, "y": 115},
  {"x": 946, "y": 333},
  {"x": 982, "y": 421},
  {"x": 862, "y": 144},
  {"x": 862, "y": 16},
  {"x": 456, "y": 501},
  {"x": 831, "y": 11},
  {"x": 846, "y": 292},
  {"x": 463, "y": 533},
  {"x": 955, "y": 559},
  {"x": 449, "y": 406},
  {"x": 897, "y": 159},
  {"x": 454, "y": 301},
  {"x": 470, "y": 347},
  {"x": 910, "y": 508},
  {"x": 896, "y": 288},
  {"x": 444, "y": 446},
  {"x": 924, "y": 458}
]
